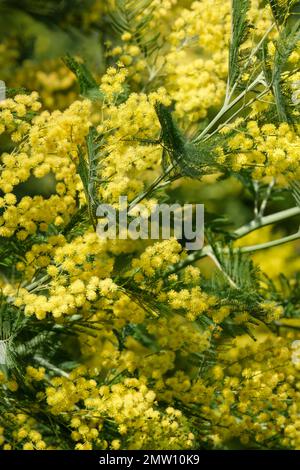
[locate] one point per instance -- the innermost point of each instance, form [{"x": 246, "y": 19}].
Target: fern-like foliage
[
  {"x": 11, "y": 252},
  {"x": 77, "y": 224},
  {"x": 11, "y": 323},
  {"x": 88, "y": 86},
  {"x": 192, "y": 160},
  {"x": 287, "y": 41},
  {"x": 287, "y": 293},
  {"x": 236, "y": 285},
  {"x": 240, "y": 28},
  {"x": 133, "y": 17},
  {"x": 281, "y": 11},
  {"x": 295, "y": 186},
  {"x": 89, "y": 169},
  {"x": 22, "y": 340},
  {"x": 236, "y": 267}
]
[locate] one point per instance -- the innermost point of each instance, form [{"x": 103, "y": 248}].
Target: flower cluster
[
  {"x": 145, "y": 344},
  {"x": 270, "y": 150}
]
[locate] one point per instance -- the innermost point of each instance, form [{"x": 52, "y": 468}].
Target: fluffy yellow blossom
[
  {"x": 270, "y": 151},
  {"x": 122, "y": 344}
]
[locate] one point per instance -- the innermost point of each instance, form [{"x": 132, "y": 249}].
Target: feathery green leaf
[
  {"x": 88, "y": 86},
  {"x": 240, "y": 28},
  {"x": 280, "y": 11},
  {"x": 287, "y": 41},
  {"x": 129, "y": 17},
  {"x": 295, "y": 186},
  {"x": 193, "y": 160}
]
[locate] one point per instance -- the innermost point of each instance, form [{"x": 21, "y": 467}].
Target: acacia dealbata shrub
[{"x": 145, "y": 344}]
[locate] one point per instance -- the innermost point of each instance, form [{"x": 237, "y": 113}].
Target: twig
[
  {"x": 241, "y": 232},
  {"x": 50, "y": 366}
]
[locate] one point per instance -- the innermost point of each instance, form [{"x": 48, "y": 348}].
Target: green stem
[
  {"x": 236, "y": 113},
  {"x": 227, "y": 106},
  {"x": 266, "y": 220},
  {"x": 241, "y": 232},
  {"x": 151, "y": 188},
  {"x": 37, "y": 283},
  {"x": 217, "y": 263},
  {"x": 266, "y": 198},
  {"x": 229, "y": 93},
  {"x": 247, "y": 63},
  {"x": 262, "y": 246}
]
